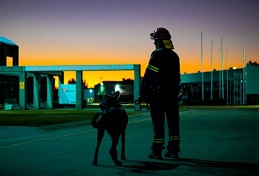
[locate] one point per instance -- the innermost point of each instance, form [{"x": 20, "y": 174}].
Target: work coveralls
[{"x": 159, "y": 88}]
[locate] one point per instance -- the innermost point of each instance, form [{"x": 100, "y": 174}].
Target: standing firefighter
[{"x": 159, "y": 88}]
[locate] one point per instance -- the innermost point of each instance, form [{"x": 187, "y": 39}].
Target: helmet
[{"x": 160, "y": 33}]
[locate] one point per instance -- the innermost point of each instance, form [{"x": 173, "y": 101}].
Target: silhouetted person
[{"x": 159, "y": 88}]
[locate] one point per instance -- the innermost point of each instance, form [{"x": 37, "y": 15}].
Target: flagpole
[
  {"x": 211, "y": 74},
  {"x": 227, "y": 72},
  {"x": 244, "y": 58},
  {"x": 219, "y": 75},
  {"x": 222, "y": 69},
  {"x": 202, "y": 76}
]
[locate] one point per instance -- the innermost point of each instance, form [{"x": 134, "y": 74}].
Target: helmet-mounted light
[
  {"x": 160, "y": 33},
  {"x": 152, "y": 36}
]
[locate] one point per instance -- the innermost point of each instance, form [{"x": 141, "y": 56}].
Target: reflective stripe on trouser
[
  {"x": 173, "y": 143},
  {"x": 173, "y": 138},
  {"x": 158, "y": 141},
  {"x": 157, "y": 146}
]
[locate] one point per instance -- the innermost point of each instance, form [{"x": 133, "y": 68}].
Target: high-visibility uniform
[{"x": 159, "y": 88}]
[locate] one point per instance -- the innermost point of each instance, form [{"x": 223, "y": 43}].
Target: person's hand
[{"x": 138, "y": 100}]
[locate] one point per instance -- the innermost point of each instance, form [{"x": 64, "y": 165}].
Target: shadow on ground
[{"x": 194, "y": 165}]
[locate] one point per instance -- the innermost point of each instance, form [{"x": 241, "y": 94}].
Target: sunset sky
[{"x": 76, "y": 32}]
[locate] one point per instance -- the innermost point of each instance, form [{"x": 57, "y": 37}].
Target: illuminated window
[{"x": 9, "y": 61}]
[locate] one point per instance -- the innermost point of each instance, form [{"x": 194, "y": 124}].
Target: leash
[{"x": 181, "y": 92}]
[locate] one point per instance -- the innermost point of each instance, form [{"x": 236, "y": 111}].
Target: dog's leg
[
  {"x": 100, "y": 135},
  {"x": 113, "y": 150},
  {"x": 123, "y": 156}
]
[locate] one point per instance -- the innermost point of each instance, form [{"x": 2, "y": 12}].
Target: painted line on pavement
[
  {"x": 64, "y": 135},
  {"x": 45, "y": 139}
]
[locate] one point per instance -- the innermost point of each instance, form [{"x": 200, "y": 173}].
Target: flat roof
[{"x": 106, "y": 67}]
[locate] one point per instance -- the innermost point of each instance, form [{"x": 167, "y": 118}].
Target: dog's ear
[{"x": 116, "y": 95}]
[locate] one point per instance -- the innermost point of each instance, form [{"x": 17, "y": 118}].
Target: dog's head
[{"x": 110, "y": 101}]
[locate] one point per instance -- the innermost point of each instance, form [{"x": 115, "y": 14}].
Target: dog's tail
[{"x": 96, "y": 120}]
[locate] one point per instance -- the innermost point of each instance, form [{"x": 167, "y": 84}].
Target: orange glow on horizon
[{"x": 188, "y": 64}]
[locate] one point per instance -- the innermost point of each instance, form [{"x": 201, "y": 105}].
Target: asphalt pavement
[{"x": 220, "y": 141}]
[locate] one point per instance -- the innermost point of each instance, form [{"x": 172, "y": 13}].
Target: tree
[
  {"x": 73, "y": 81},
  {"x": 252, "y": 63}
]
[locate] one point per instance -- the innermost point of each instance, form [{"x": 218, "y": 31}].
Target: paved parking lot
[{"x": 214, "y": 141}]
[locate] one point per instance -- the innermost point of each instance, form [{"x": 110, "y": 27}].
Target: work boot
[
  {"x": 154, "y": 155},
  {"x": 156, "y": 152},
  {"x": 171, "y": 155},
  {"x": 172, "y": 150}
]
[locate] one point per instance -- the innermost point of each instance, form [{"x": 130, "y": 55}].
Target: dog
[{"x": 114, "y": 119}]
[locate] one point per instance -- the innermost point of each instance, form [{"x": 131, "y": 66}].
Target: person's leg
[
  {"x": 173, "y": 146},
  {"x": 158, "y": 120}
]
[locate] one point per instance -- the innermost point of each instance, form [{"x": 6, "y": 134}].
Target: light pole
[
  {"x": 211, "y": 74},
  {"x": 222, "y": 69},
  {"x": 227, "y": 73},
  {"x": 244, "y": 76},
  {"x": 202, "y": 69}
]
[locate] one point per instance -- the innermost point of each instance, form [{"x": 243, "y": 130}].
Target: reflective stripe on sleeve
[{"x": 153, "y": 68}]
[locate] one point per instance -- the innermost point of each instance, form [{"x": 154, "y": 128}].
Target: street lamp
[{"x": 117, "y": 87}]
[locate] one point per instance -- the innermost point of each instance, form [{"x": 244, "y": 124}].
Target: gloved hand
[{"x": 138, "y": 100}]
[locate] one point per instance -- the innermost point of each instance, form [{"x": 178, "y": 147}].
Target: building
[
  {"x": 223, "y": 87},
  {"x": 232, "y": 87},
  {"x": 10, "y": 83},
  {"x": 8, "y": 49},
  {"x": 109, "y": 87}
]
